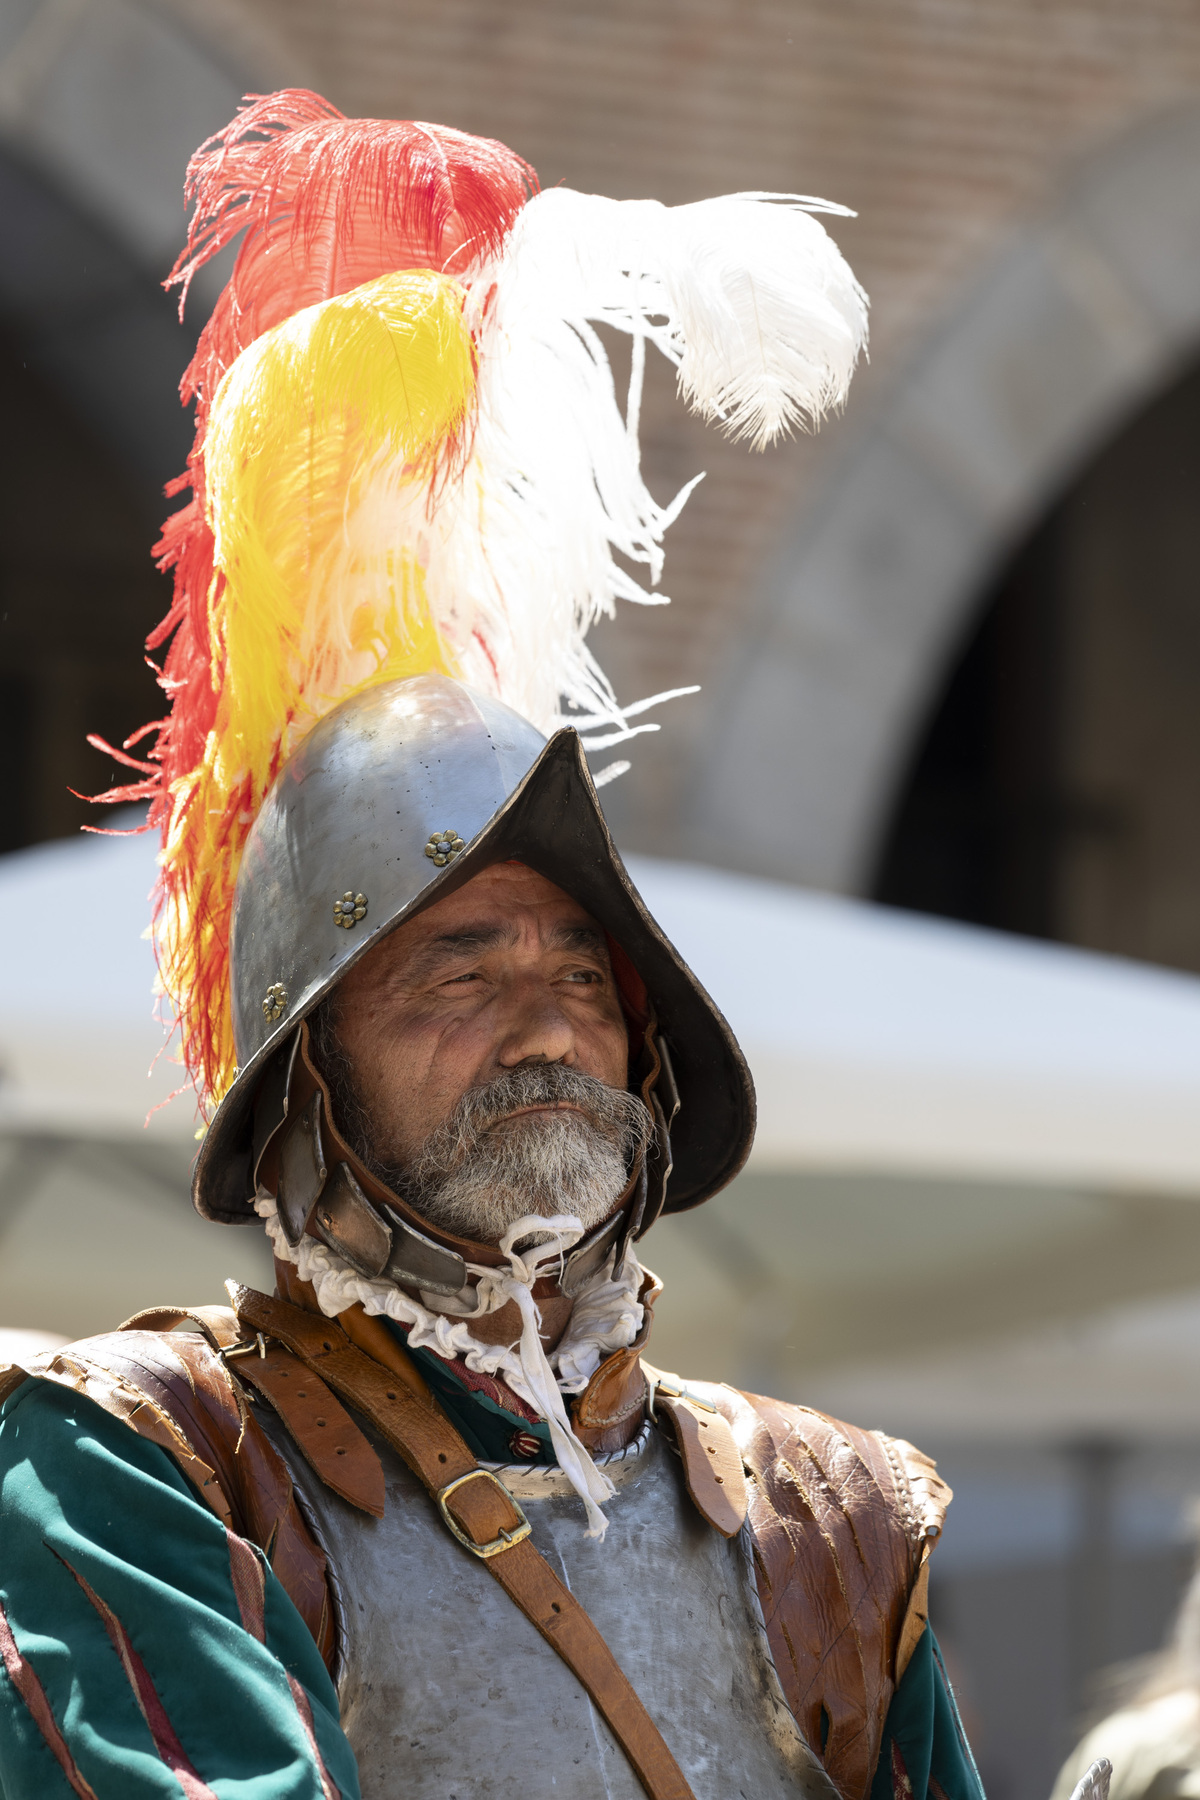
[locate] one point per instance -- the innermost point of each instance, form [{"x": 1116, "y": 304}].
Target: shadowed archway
[
  {"x": 1086, "y": 314},
  {"x": 101, "y": 103}
]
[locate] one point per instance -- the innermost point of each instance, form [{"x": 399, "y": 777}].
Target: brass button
[
  {"x": 275, "y": 1002},
  {"x": 443, "y": 847},
  {"x": 349, "y": 909}
]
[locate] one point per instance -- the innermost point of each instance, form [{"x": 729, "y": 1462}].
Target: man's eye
[{"x": 588, "y": 976}]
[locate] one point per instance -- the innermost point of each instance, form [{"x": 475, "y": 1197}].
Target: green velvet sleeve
[
  {"x": 125, "y": 1669},
  {"x": 925, "y": 1754}
]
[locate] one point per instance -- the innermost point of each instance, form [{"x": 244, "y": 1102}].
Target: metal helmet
[{"x": 397, "y": 797}]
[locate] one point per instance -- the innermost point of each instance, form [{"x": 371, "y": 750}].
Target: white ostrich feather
[
  {"x": 751, "y": 301},
  {"x": 766, "y": 320}
]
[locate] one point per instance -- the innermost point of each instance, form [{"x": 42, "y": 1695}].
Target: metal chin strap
[{"x": 321, "y": 1188}]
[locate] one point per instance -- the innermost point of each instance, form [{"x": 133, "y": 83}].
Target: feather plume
[
  {"x": 767, "y": 321},
  {"x": 746, "y": 294},
  {"x": 410, "y": 454},
  {"x": 325, "y": 437},
  {"x": 325, "y": 204}
]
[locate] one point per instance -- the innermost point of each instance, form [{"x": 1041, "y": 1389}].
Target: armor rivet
[
  {"x": 349, "y": 909},
  {"x": 275, "y": 1002},
  {"x": 443, "y": 847}
]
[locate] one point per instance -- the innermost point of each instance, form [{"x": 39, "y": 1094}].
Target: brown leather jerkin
[
  {"x": 839, "y": 1521},
  {"x": 481, "y": 1513}
]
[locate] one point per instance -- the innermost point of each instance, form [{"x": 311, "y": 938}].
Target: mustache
[{"x": 618, "y": 1116}]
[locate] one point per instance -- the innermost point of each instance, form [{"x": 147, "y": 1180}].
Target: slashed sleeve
[
  {"x": 144, "y": 1649},
  {"x": 925, "y": 1754}
]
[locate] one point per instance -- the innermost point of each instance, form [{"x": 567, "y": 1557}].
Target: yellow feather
[{"x": 326, "y": 443}]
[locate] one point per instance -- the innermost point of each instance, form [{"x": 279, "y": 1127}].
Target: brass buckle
[{"x": 506, "y": 1539}]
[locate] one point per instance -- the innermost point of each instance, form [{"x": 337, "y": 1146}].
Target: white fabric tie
[
  {"x": 496, "y": 1287},
  {"x": 607, "y": 1316}
]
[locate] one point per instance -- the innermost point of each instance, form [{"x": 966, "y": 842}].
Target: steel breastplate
[{"x": 447, "y": 1690}]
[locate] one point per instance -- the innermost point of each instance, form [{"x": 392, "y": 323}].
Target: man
[
  {"x": 425, "y": 1521},
  {"x": 1150, "y": 1732}
]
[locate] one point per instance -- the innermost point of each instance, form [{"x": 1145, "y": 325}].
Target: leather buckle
[{"x": 506, "y": 1539}]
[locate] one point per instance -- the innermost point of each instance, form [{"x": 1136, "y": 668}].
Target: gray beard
[{"x": 481, "y": 1170}]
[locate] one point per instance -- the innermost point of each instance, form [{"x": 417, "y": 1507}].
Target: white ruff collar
[{"x": 607, "y": 1316}]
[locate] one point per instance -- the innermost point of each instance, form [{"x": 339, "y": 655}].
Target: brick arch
[{"x": 1082, "y": 318}]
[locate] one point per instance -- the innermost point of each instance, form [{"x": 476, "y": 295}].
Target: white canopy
[
  {"x": 878, "y": 1040},
  {"x": 884, "y": 1040},
  {"x": 95, "y": 1220},
  {"x": 78, "y": 1033}
]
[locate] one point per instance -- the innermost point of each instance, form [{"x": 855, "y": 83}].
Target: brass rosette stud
[
  {"x": 443, "y": 847},
  {"x": 275, "y": 1002},
  {"x": 349, "y": 909}
]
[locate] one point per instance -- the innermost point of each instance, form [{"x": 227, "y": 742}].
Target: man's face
[{"x": 474, "y": 998}]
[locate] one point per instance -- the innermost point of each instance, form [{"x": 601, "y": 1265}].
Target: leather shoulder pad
[
  {"x": 841, "y": 1522},
  {"x": 175, "y": 1389}
]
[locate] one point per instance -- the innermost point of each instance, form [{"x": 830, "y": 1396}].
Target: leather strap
[
  {"x": 330, "y": 1440},
  {"x": 712, "y": 1462},
  {"x": 482, "y": 1514},
  {"x": 218, "y": 1323}
]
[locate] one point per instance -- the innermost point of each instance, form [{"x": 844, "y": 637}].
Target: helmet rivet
[
  {"x": 443, "y": 847},
  {"x": 275, "y": 1002},
  {"x": 349, "y": 909}
]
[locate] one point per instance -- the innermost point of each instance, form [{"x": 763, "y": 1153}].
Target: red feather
[{"x": 328, "y": 203}]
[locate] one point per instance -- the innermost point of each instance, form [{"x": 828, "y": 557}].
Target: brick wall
[{"x": 944, "y": 123}]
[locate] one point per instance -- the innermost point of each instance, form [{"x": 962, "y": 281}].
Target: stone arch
[
  {"x": 101, "y": 104},
  {"x": 1086, "y": 314}
]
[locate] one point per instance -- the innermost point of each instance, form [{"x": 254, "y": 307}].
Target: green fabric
[
  {"x": 924, "y": 1726},
  {"x": 486, "y": 1427},
  {"x": 77, "y": 1482}
]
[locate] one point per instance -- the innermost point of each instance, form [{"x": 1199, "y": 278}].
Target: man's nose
[{"x": 536, "y": 1031}]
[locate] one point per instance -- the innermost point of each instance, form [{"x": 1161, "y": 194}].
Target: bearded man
[{"x": 425, "y": 1522}]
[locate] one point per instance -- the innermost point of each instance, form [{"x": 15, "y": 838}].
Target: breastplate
[{"x": 447, "y": 1690}]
